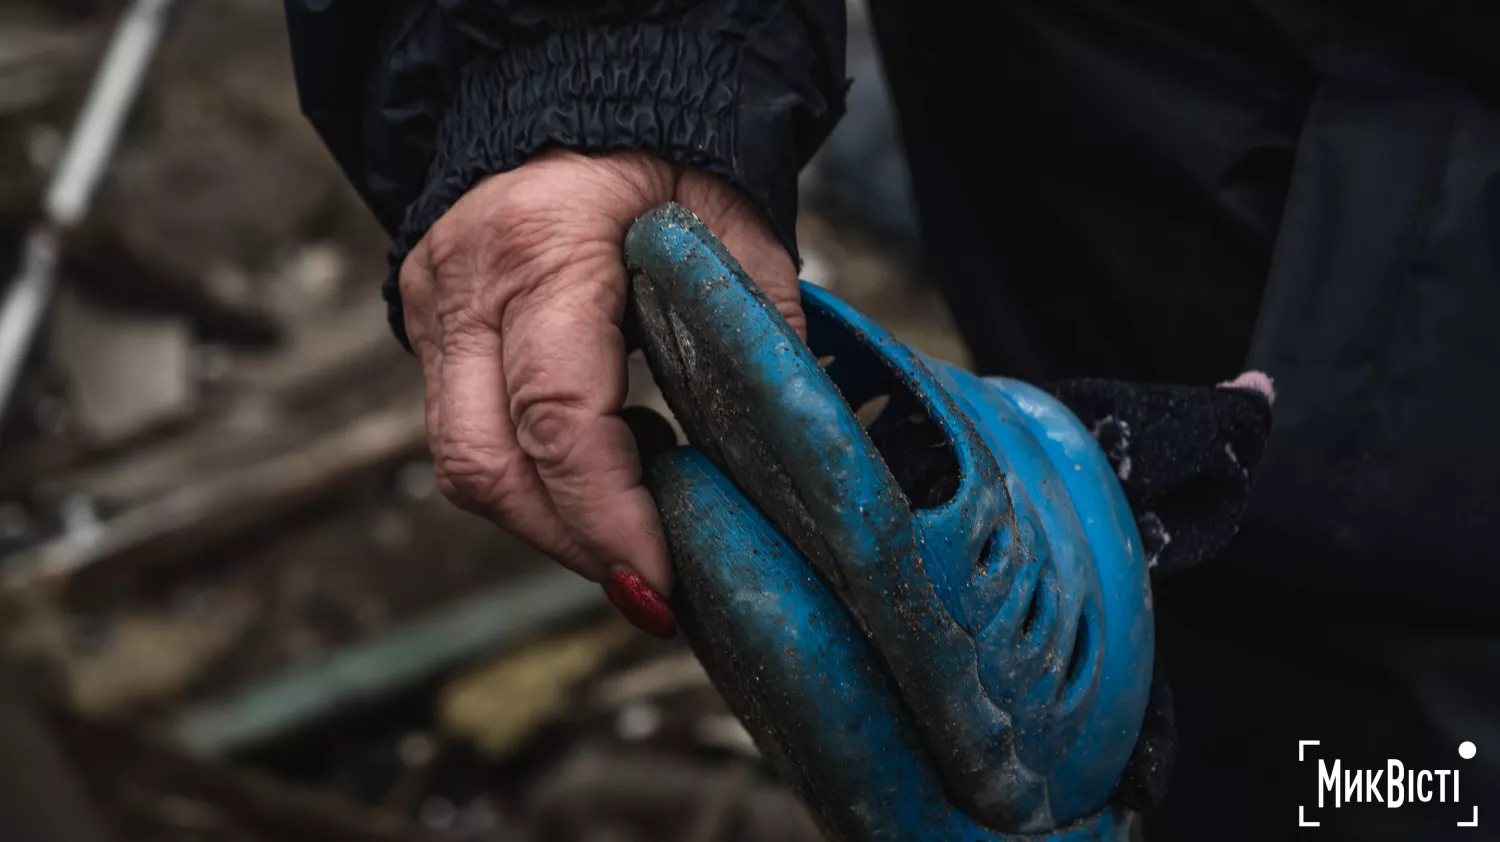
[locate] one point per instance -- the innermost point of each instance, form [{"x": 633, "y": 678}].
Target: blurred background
[{"x": 232, "y": 605}]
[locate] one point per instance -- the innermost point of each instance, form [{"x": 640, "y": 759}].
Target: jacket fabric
[{"x": 420, "y": 99}]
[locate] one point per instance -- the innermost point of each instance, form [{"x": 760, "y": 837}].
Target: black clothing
[
  {"x": 419, "y": 100},
  {"x": 1177, "y": 192}
]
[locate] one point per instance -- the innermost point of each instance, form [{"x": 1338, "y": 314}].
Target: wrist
[{"x": 618, "y": 185}]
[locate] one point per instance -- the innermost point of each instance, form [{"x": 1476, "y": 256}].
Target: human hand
[{"x": 513, "y": 303}]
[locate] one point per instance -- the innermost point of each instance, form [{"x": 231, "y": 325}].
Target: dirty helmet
[{"x": 937, "y": 624}]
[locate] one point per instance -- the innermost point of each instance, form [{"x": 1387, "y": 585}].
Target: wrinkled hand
[{"x": 513, "y": 302}]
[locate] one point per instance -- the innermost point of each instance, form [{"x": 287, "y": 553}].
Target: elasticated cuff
[{"x": 643, "y": 86}]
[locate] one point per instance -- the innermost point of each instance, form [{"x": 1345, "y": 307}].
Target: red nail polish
[{"x": 642, "y": 606}]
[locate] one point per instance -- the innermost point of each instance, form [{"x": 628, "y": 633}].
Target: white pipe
[
  {"x": 83, "y": 163},
  {"x": 99, "y": 123},
  {"x": 25, "y": 303}
]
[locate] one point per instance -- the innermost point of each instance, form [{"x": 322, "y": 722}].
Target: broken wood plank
[
  {"x": 107, "y": 258},
  {"x": 662, "y": 676},
  {"x": 322, "y": 377},
  {"x": 197, "y": 515},
  {"x": 331, "y": 352}
]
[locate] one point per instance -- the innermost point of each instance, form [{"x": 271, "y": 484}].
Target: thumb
[{"x": 744, "y": 230}]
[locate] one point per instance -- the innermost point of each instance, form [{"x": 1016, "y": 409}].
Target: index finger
[{"x": 564, "y": 359}]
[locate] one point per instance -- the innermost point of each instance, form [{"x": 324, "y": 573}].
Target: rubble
[{"x": 123, "y": 373}]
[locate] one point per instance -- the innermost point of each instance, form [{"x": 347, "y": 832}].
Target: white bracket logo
[{"x": 1393, "y": 786}]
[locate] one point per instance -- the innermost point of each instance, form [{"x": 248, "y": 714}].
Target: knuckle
[
  {"x": 465, "y": 331},
  {"x": 515, "y": 236},
  {"x": 549, "y": 429},
  {"x": 537, "y": 257},
  {"x": 438, "y": 279},
  {"x": 414, "y": 280},
  {"x": 474, "y": 477},
  {"x": 448, "y": 239},
  {"x": 500, "y": 250}
]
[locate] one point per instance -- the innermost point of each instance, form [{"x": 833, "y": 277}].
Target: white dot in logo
[{"x": 1467, "y": 750}]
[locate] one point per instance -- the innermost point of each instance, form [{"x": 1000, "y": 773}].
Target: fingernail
[
  {"x": 642, "y": 606},
  {"x": 1253, "y": 381}
]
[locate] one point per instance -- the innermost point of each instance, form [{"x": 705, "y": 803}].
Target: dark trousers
[{"x": 1179, "y": 191}]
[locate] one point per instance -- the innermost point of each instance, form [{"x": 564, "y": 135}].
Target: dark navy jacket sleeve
[{"x": 419, "y": 99}]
